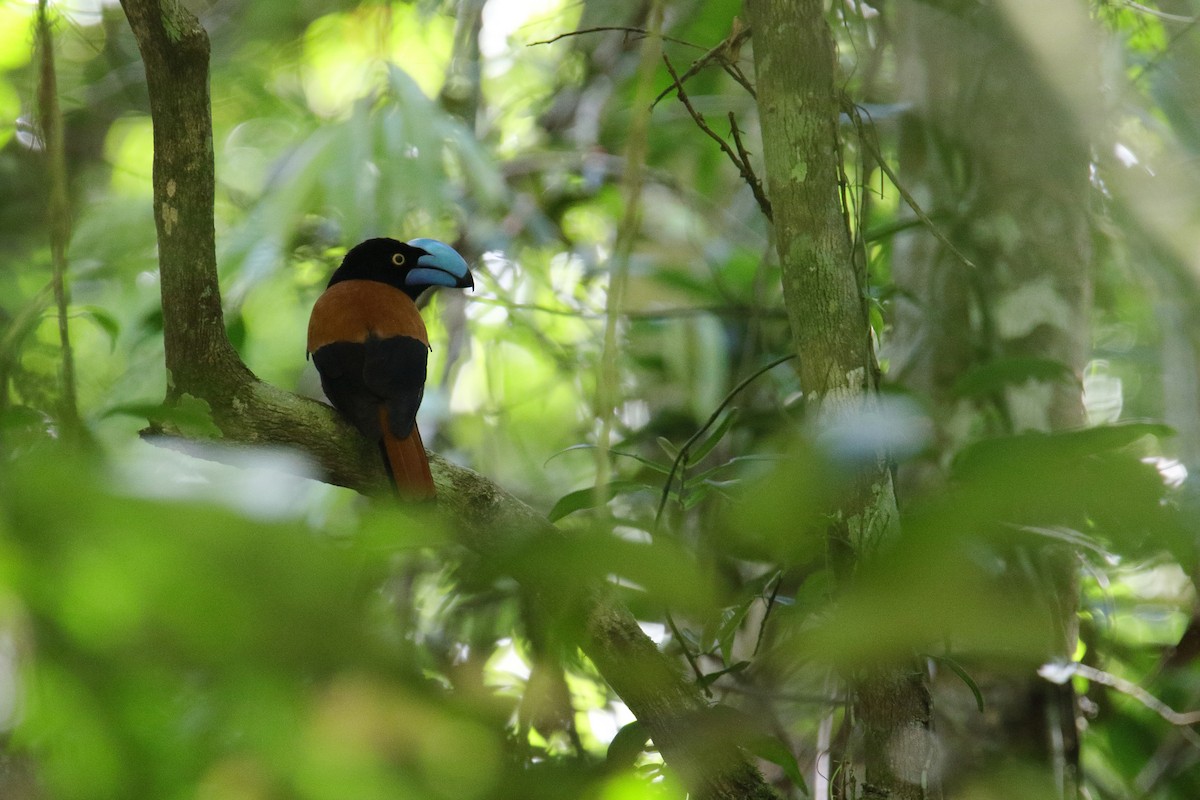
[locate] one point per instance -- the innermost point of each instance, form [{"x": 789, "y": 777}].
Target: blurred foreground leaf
[{"x": 184, "y": 649}]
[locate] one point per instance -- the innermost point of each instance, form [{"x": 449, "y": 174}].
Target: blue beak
[{"x": 440, "y": 266}]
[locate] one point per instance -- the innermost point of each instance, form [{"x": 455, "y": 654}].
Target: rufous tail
[{"x": 406, "y": 463}]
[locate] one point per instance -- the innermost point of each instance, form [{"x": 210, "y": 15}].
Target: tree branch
[
  {"x": 203, "y": 364},
  {"x": 738, "y": 158},
  {"x": 607, "y": 28},
  {"x": 726, "y": 52}
]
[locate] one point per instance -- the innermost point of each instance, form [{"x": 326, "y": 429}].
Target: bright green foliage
[{"x": 171, "y": 627}]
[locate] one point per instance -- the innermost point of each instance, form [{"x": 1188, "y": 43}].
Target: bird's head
[{"x": 411, "y": 266}]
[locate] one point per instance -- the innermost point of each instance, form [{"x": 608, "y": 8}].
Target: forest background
[{"x": 851, "y": 349}]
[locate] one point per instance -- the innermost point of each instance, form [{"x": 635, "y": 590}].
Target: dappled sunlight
[
  {"x": 263, "y": 484},
  {"x": 860, "y": 433},
  {"x": 345, "y": 53},
  {"x": 760, "y": 517}
]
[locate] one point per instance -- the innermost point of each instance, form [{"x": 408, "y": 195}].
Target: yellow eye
[{"x": 398, "y": 259}]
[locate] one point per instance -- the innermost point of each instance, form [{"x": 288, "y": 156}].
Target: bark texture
[
  {"x": 203, "y": 365},
  {"x": 798, "y": 106},
  {"x": 823, "y": 289}
]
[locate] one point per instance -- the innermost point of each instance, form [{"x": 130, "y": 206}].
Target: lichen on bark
[{"x": 825, "y": 297}]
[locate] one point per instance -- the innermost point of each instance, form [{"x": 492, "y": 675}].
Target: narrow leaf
[
  {"x": 627, "y": 745},
  {"x": 714, "y": 438},
  {"x": 1011, "y": 451},
  {"x": 586, "y": 498},
  {"x": 958, "y": 670},
  {"x": 773, "y": 749},
  {"x": 654, "y": 465},
  {"x": 105, "y": 321},
  {"x": 191, "y": 415},
  {"x": 712, "y": 677},
  {"x": 1001, "y": 372},
  {"x": 711, "y": 471},
  {"x": 729, "y": 627}
]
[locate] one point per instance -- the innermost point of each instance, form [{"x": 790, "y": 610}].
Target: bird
[{"x": 368, "y": 342}]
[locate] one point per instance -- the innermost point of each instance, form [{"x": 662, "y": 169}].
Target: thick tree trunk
[
  {"x": 992, "y": 152},
  {"x": 824, "y": 293}
]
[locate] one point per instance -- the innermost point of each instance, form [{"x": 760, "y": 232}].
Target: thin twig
[
  {"x": 743, "y": 167},
  {"x": 853, "y": 111},
  {"x": 762, "y": 627},
  {"x": 755, "y": 184},
  {"x": 1154, "y": 12},
  {"x": 604, "y": 28},
  {"x": 726, "y": 50},
  {"x": 1153, "y": 63},
  {"x": 681, "y": 456},
  {"x": 687, "y": 654},
  {"x": 735, "y": 311},
  {"x": 1182, "y": 719},
  {"x": 735, "y": 72},
  {"x": 608, "y": 385},
  {"x": 1057, "y": 674}
]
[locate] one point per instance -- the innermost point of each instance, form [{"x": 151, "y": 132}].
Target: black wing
[{"x": 359, "y": 377}]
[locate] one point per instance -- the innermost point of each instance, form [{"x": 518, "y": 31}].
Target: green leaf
[
  {"x": 890, "y": 229},
  {"x": 748, "y": 730},
  {"x": 572, "y": 448},
  {"x": 105, "y": 321},
  {"x": 671, "y": 450},
  {"x": 998, "y": 373},
  {"x": 962, "y": 674},
  {"x": 627, "y": 745},
  {"x": 190, "y": 415},
  {"x": 654, "y": 465},
  {"x": 875, "y": 314},
  {"x": 235, "y": 329},
  {"x": 773, "y": 749},
  {"x": 1014, "y": 452},
  {"x": 687, "y": 639},
  {"x": 714, "y": 438},
  {"x": 693, "y": 497},
  {"x": 711, "y": 471},
  {"x": 1117, "y": 435},
  {"x": 688, "y": 282},
  {"x": 586, "y": 498},
  {"x": 712, "y": 677},
  {"x": 733, "y": 618}
]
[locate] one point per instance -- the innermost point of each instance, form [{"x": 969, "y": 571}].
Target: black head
[{"x": 411, "y": 266}]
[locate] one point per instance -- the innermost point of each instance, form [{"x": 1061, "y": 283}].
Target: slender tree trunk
[
  {"x": 175, "y": 50},
  {"x": 824, "y": 293},
  {"x": 992, "y": 153}
]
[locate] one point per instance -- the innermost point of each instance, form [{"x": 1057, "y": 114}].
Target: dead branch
[{"x": 743, "y": 164}]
